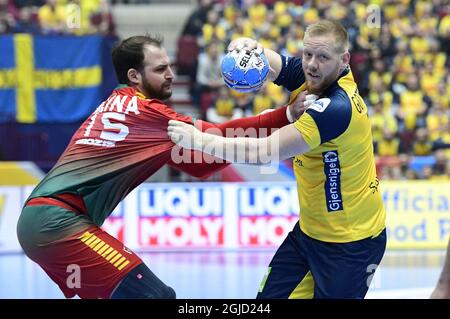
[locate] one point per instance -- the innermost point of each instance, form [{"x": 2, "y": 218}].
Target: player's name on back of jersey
[
  {"x": 114, "y": 108},
  {"x": 120, "y": 104}
]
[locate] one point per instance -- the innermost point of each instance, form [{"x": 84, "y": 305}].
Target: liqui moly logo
[
  {"x": 179, "y": 216},
  {"x": 266, "y": 214}
]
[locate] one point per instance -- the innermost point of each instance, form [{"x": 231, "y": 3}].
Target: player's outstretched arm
[
  {"x": 268, "y": 120},
  {"x": 251, "y": 44},
  {"x": 283, "y": 144}
]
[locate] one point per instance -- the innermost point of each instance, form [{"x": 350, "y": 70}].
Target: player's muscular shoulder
[{"x": 332, "y": 114}]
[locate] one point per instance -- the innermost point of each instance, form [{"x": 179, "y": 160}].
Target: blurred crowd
[
  {"x": 53, "y": 17},
  {"x": 399, "y": 52},
  {"x": 399, "y": 59}
]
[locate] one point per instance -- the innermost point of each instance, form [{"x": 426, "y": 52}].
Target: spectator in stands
[
  {"x": 413, "y": 103},
  {"x": 102, "y": 20},
  {"x": 379, "y": 72},
  {"x": 241, "y": 27},
  {"x": 52, "y": 17},
  {"x": 197, "y": 18},
  {"x": 212, "y": 30},
  {"x": 27, "y": 22},
  {"x": 262, "y": 101},
  {"x": 413, "y": 42},
  {"x": 387, "y": 44},
  {"x": 224, "y": 108},
  {"x": 257, "y": 14},
  {"x": 443, "y": 94},
  {"x": 381, "y": 120},
  {"x": 403, "y": 63},
  {"x": 422, "y": 146},
  {"x": 278, "y": 93},
  {"x": 209, "y": 74},
  {"x": 244, "y": 101},
  {"x": 444, "y": 32},
  {"x": 439, "y": 168},
  {"x": 443, "y": 139},
  {"x": 7, "y": 16},
  {"x": 380, "y": 94},
  {"x": 430, "y": 79},
  {"x": 27, "y": 3},
  {"x": 436, "y": 120},
  {"x": 388, "y": 145}
]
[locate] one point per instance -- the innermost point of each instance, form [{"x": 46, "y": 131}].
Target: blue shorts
[{"x": 304, "y": 267}]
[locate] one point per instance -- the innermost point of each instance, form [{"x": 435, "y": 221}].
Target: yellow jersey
[{"x": 338, "y": 189}]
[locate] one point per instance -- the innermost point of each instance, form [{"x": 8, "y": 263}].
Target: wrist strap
[{"x": 289, "y": 115}]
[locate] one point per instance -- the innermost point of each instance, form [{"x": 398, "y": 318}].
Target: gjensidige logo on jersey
[
  {"x": 320, "y": 105},
  {"x": 332, "y": 170}
]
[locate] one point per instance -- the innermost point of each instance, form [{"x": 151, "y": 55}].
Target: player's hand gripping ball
[{"x": 245, "y": 71}]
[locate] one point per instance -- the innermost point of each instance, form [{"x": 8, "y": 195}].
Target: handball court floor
[{"x": 230, "y": 274}]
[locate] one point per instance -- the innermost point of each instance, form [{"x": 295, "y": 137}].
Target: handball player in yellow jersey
[{"x": 340, "y": 238}]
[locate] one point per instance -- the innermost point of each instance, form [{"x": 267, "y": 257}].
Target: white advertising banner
[
  {"x": 11, "y": 201},
  {"x": 242, "y": 215}
]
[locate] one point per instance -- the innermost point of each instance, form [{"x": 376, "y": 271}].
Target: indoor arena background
[{"x": 215, "y": 238}]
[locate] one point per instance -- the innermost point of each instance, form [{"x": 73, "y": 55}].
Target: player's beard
[
  {"x": 163, "y": 92},
  {"x": 318, "y": 87}
]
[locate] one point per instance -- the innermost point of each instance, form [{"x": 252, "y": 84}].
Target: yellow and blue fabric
[
  {"x": 340, "y": 238},
  {"x": 338, "y": 189},
  {"x": 52, "y": 78},
  {"x": 305, "y": 268}
]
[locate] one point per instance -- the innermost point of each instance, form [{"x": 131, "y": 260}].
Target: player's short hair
[
  {"x": 129, "y": 54},
  {"x": 325, "y": 27}
]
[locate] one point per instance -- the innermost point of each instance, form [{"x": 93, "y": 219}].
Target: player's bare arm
[{"x": 283, "y": 144}]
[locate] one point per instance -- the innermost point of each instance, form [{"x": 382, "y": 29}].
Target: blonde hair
[{"x": 325, "y": 27}]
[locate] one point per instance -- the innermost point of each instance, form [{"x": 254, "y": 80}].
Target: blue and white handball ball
[{"x": 245, "y": 71}]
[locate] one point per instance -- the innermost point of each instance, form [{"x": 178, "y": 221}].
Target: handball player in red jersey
[{"x": 122, "y": 143}]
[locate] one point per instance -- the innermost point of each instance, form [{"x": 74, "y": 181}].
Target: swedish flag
[{"x": 49, "y": 78}]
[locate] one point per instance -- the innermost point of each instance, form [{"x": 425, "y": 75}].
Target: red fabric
[
  {"x": 147, "y": 143},
  {"x": 75, "y": 201},
  {"x": 144, "y": 149},
  {"x": 125, "y": 139},
  {"x": 101, "y": 268},
  {"x": 230, "y": 174},
  {"x": 204, "y": 169},
  {"x": 275, "y": 119}
]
